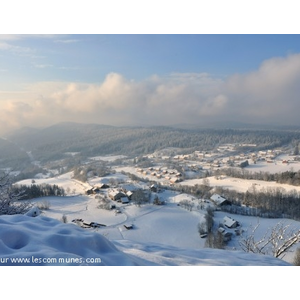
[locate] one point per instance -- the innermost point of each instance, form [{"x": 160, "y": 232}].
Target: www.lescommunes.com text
[{"x": 49, "y": 260}]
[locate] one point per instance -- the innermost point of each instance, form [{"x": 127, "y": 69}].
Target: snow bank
[
  {"x": 174, "y": 256},
  {"x": 26, "y": 240},
  {"x": 36, "y": 241}
]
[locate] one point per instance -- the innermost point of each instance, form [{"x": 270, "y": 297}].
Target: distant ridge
[
  {"x": 24, "y": 130},
  {"x": 53, "y": 142}
]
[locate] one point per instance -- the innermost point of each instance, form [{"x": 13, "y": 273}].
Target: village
[
  {"x": 165, "y": 196},
  {"x": 147, "y": 181},
  {"x": 174, "y": 169},
  {"x": 152, "y": 180},
  {"x": 118, "y": 198},
  {"x": 153, "y": 198}
]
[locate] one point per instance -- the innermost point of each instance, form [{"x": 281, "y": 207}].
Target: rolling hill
[{"x": 92, "y": 139}]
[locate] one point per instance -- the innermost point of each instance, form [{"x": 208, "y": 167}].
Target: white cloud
[
  {"x": 43, "y": 66},
  {"x": 10, "y": 37},
  {"x": 67, "y": 41},
  {"x": 4, "y": 46},
  {"x": 267, "y": 95}
]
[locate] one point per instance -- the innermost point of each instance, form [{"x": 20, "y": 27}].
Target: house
[
  {"x": 219, "y": 200},
  {"x": 96, "y": 189},
  {"x": 129, "y": 194},
  {"x": 230, "y": 223},
  {"x": 153, "y": 188},
  {"x": 104, "y": 186},
  {"x": 124, "y": 200},
  {"x": 174, "y": 180},
  {"x": 116, "y": 195},
  {"x": 89, "y": 192},
  {"x": 112, "y": 206},
  {"x": 225, "y": 234},
  {"x": 86, "y": 224},
  {"x": 92, "y": 224},
  {"x": 96, "y": 225},
  {"x": 128, "y": 226}
]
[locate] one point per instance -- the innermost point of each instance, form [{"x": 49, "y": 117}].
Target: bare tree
[
  {"x": 277, "y": 241},
  {"x": 187, "y": 204},
  {"x": 209, "y": 219},
  {"x": 206, "y": 225},
  {"x": 215, "y": 240},
  {"x": 9, "y": 199}
]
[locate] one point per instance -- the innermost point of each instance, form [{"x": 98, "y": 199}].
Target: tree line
[
  {"x": 32, "y": 191},
  {"x": 288, "y": 177},
  {"x": 266, "y": 202},
  {"x": 82, "y": 173}
]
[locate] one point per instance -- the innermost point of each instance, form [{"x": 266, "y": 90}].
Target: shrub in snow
[
  {"x": 64, "y": 219},
  {"x": 45, "y": 205},
  {"x": 202, "y": 228},
  {"x": 33, "y": 212}
]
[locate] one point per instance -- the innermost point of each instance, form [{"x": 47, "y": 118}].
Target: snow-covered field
[
  {"x": 65, "y": 180},
  {"x": 277, "y": 166},
  {"x": 240, "y": 185},
  {"x": 39, "y": 240},
  {"x": 161, "y": 235},
  {"x": 109, "y": 158}
]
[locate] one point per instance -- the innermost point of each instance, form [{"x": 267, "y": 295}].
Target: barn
[
  {"x": 229, "y": 222},
  {"x": 219, "y": 200},
  {"x": 116, "y": 195}
]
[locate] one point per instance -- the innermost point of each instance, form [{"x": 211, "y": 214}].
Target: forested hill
[{"x": 91, "y": 139}]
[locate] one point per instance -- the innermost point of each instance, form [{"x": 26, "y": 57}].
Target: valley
[{"x": 166, "y": 194}]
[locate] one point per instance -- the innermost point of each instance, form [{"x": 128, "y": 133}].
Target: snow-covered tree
[
  {"x": 140, "y": 197},
  {"x": 277, "y": 241},
  {"x": 9, "y": 199}
]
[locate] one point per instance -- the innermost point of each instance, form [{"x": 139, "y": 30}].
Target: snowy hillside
[
  {"x": 39, "y": 240},
  {"x": 162, "y": 234}
]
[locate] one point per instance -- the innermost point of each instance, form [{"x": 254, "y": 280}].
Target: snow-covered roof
[
  {"x": 229, "y": 222},
  {"x": 217, "y": 199},
  {"x": 115, "y": 193},
  {"x": 124, "y": 200},
  {"x": 174, "y": 180}
]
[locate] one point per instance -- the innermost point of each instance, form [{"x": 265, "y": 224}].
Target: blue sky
[
  {"x": 89, "y": 58},
  {"x": 149, "y": 79}
]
